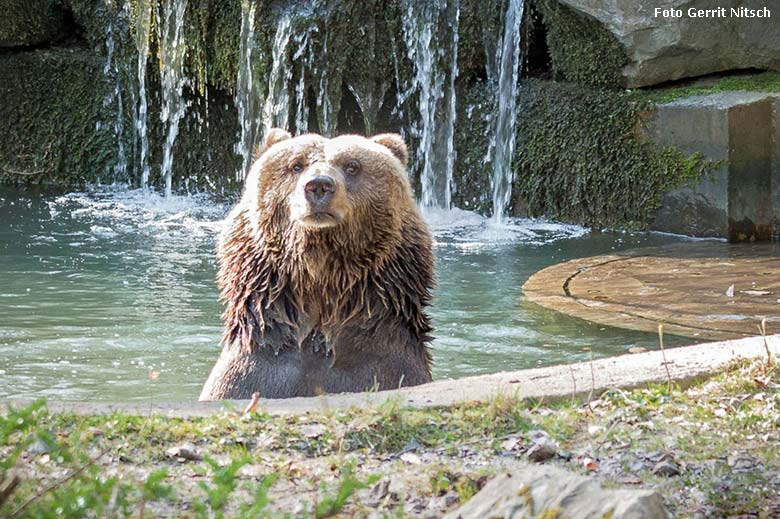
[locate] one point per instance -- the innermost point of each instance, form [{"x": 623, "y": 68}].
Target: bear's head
[
  {"x": 310, "y": 189},
  {"x": 327, "y": 230}
]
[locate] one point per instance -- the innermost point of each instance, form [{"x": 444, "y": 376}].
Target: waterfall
[
  {"x": 328, "y": 118},
  {"x": 246, "y": 92},
  {"x": 431, "y": 37},
  {"x": 141, "y": 114},
  {"x": 508, "y": 67},
  {"x": 293, "y": 54},
  {"x": 112, "y": 67},
  {"x": 172, "y": 51},
  {"x": 276, "y": 111},
  {"x": 304, "y": 56}
]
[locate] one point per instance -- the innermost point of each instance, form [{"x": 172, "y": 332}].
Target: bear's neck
[{"x": 333, "y": 277}]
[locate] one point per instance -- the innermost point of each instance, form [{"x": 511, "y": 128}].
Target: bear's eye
[
  {"x": 352, "y": 167},
  {"x": 296, "y": 166}
]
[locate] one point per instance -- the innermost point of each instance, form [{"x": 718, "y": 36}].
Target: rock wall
[
  {"x": 666, "y": 48},
  {"x": 28, "y": 23},
  {"x": 345, "y": 66},
  {"x": 53, "y": 123}
]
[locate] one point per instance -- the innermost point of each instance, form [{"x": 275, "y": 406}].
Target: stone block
[{"x": 738, "y": 130}]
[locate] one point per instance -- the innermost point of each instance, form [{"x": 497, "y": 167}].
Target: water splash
[
  {"x": 276, "y": 111},
  {"x": 141, "y": 115},
  {"x": 431, "y": 36},
  {"x": 470, "y": 231},
  {"x": 117, "y": 210},
  {"x": 246, "y": 94},
  {"x": 508, "y": 65},
  {"x": 172, "y": 50}
]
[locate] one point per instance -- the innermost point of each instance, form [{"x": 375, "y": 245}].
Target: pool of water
[{"x": 101, "y": 287}]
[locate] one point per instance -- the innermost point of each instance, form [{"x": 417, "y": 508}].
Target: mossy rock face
[
  {"x": 582, "y": 156},
  {"x": 54, "y": 126},
  {"x": 476, "y": 103},
  {"x": 32, "y": 22},
  {"x": 480, "y": 24},
  {"x": 204, "y": 156},
  {"x": 581, "y": 49}
]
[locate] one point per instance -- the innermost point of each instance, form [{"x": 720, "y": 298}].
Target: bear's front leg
[
  {"x": 238, "y": 373},
  {"x": 379, "y": 356}
]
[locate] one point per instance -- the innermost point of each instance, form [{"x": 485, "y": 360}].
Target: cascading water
[
  {"x": 246, "y": 96},
  {"x": 431, "y": 36},
  {"x": 304, "y": 57},
  {"x": 276, "y": 111},
  {"x": 503, "y": 145},
  {"x": 328, "y": 118},
  {"x": 112, "y": 67},
  {"x": 293, "y": 55},
  {"x": 141, "y": 114},
  {"x": 172, "y": 50}
]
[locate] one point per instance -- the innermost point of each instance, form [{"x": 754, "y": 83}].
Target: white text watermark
[{"x": 715, "y": 12}]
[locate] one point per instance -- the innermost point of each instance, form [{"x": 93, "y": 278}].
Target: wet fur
[{"x": 338, "y": 309}]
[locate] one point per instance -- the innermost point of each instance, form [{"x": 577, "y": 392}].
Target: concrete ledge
[{"x": 552, "y": 383}]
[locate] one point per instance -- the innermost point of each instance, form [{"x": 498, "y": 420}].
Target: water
[
  {"x": 276, "y": 111},
  {"x": 326, "y": 108},
  {"x": 246, "y": 89},
  {"x": 503, "y": 147},
  {"x": 100, "y": 287},
  {"x": 112, "y": 68},
  {"x": 431, "y": 36},
  {"x": 172, "y": 49},
  {"x": 141, "y": 115}
]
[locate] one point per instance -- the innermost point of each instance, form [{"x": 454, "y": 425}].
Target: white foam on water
[
  {"x": 120, "y": 209},
  {"x": 468, "y": 230}
]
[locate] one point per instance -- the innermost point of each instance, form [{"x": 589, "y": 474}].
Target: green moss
[
  {"x": 760, "y": 82},
  {"x": 476, "y": 104},
  {"x": 581, "y": 49},
  {"x": 53, "y": 123},
  {"x": 479, "y": 28},
  {"x": 607, "y": 173},
  {"x": 581, "y": 155},
  {"x": 32, "y": 22},
  {"x": 212, "y": 35}
]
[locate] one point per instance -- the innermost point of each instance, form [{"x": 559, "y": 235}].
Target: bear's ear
[
  {"x": 395, "y": 143},
  {"x": 274, "y": 135}
]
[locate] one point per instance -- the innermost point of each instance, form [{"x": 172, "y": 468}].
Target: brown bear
[{"x": 325, "y": 268}]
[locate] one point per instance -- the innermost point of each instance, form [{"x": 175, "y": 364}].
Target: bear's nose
[{"x": 320, "y": 189}]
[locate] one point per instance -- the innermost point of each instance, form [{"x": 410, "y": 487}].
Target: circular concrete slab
[{"x": 687, "y": 287}]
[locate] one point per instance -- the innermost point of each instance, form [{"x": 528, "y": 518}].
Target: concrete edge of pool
[{"x": 551, "y": 383}]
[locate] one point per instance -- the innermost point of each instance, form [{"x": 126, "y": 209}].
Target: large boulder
[
  {"x": 664, "y": 48},
  {"x": 543, "y": 491}
]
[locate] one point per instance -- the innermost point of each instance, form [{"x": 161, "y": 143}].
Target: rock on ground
[{"x": 532, "y": 491}]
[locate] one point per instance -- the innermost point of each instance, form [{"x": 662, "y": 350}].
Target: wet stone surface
[{"x": 705, "y": 290}]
